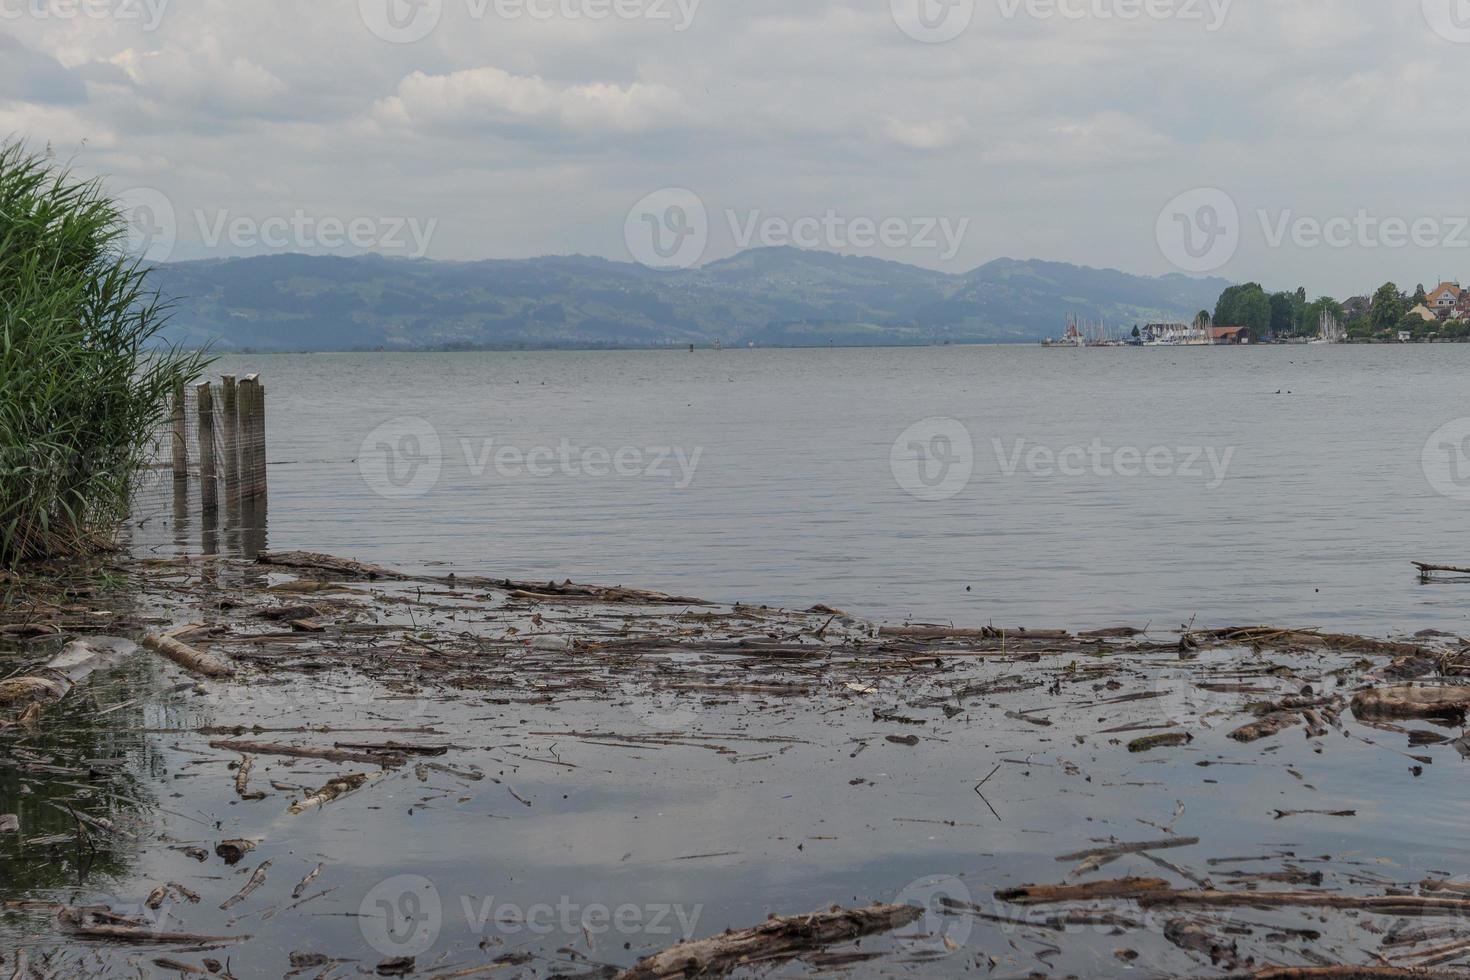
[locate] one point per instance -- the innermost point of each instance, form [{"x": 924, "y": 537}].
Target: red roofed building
[
  {"x": 1230, "y": 335},
  {"x": 1443, "y": 299}
]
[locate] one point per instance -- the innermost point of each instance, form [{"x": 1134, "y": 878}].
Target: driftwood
[
  {"x": 242, "y": 779},
  {"x": 1355, "y": 973},
  {"x": 1150, "y": 892},
  {"x": 101, "y": 924},
  {"x": 257, "y": 878},
  {"x": 233, "y": 850},
  {"x": 1116, "y": 850},
  {"x": 1089, "y": 891},
  {"x": 337, "y": 787},
  {"x": 26, "y": 690},
  {"x": 194, "y": 661},
  {"x": 1270, "y": 725},
  {"x": 1412, "y": 702},
  {"x": 384, "y": 759},
  {"x": 776, "y": 939},
  {"x": 342, "y": 567}
]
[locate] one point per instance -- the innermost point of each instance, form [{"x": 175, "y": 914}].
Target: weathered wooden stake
[
  {"x": 208, "y": 485},
  {"x": 252, "y": 437},
  {"x": 260, "y": 426},
  {"x": 180, "y": 434},
  {"x": 230, "y": 436}
]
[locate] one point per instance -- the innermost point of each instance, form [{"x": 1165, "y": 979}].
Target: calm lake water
[{"x": 1272, "y": 484}]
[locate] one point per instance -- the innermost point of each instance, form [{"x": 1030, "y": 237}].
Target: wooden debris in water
[
  {"x": 777, "y": 939},
  {"x": 187, "y": 657}
]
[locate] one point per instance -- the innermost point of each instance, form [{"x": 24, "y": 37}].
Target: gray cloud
[{"x": 1058, "y": 136}]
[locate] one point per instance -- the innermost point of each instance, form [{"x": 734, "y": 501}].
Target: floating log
[
  {"x": 1086, "y": 892},
  {"x": 1412, "y": 702},
  {"x": 1272, "y": 724},
  {"x": 331, "y": 791},
  {"x": 384, "y": 759},
  {"x": 194, "y": 661},
  {"x": 25, "y": 690},
  {"x": 776, "y": 939},
  {"x": 101, "y": 924}
]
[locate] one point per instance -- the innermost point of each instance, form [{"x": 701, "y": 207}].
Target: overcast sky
[{"x": 944, "y": 136}]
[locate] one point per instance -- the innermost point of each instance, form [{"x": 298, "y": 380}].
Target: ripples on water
[{"x": 793, "y": 499}]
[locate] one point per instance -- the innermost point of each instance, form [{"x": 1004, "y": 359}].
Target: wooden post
[
  {"x": 230, "y": 436},
  {"x": 261, "y": 442},
  {"x": 180, "y": 434},
  {"x": 244, "y": 411},
  {"x": 208, "y": 486},
  {"x": 251, "y": 437}
]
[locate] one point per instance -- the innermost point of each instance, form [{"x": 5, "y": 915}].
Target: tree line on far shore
[{"x": 1288, "y": 315}]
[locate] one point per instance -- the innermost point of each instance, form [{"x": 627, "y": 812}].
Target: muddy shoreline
[{"x": 370, "y": 773}]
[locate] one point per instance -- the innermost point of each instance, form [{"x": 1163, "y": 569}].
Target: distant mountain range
[{"x": 769, "y": 297}]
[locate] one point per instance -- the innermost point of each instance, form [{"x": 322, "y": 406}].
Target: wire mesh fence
[{"x": 209, "y": 469}]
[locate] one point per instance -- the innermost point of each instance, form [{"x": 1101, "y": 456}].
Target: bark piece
[
  {"x": 1412, "y": 702},
  {"x": 194, "y": 661},
  {"x": 1087, "y": 892},
  {"x": 1272, "y": 724},
  {"x": 778, "y": 938}
]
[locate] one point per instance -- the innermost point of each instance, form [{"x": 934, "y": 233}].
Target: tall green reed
[{"x": 84, "y": 385}]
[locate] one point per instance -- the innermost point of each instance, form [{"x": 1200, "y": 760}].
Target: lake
[{"x": 1103, "y": 486}]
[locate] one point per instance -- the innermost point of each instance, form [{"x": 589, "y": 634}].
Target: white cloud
[
  {"x": 531, "y": 136},
  {"x": 481, "y": 96}
]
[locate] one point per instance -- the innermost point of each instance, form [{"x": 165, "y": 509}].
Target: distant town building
[
  {"x": 1230, "y": 335},
  {"x": 1443, "y": 299},
  {"x": 1426, "y": 314}
]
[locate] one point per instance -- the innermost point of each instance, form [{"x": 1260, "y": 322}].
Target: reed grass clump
[{"x": 83, "y": 382}]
